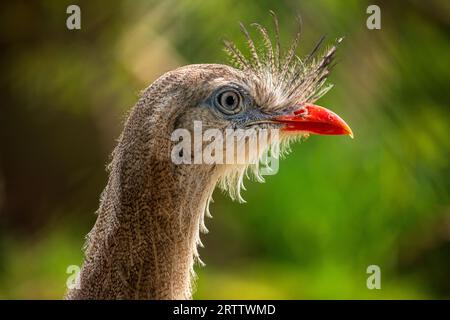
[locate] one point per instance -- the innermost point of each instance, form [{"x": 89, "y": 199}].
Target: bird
[{"x": 144, "y": 243}]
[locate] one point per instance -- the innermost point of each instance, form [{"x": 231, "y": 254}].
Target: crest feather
[{"x": 299, "y": 80}]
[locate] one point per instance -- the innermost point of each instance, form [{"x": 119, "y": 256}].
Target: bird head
[{"x": 267, "y": 90}]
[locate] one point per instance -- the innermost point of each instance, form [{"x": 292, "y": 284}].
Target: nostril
[{"x": 301, "y": 112}]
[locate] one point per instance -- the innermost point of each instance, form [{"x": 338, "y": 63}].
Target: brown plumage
[{"x": 144, "y": 242}]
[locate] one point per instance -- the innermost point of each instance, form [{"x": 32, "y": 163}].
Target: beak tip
[{"x": 350, "y": 133}]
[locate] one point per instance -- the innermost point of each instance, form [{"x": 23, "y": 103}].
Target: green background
[{"x": 336, "y": 206}]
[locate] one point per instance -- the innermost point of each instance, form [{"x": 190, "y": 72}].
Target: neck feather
[{"x": 144, "y": 242}]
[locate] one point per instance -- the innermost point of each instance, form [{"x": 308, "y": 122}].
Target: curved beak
[{"x": 316, "y": 120}]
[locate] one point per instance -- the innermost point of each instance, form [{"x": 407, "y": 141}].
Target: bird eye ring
[{"x": 229, "y": 102}]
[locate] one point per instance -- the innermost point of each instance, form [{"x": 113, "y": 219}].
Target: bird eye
[{"x": 229, "y": 102}]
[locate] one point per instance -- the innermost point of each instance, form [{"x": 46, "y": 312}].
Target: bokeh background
[{"x": 336, "y": 206}]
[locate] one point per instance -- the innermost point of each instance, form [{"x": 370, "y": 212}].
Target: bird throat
[{"x": 144, "y": 242}]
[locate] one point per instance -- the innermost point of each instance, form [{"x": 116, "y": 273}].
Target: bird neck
[{"x": 144, "y": 242}]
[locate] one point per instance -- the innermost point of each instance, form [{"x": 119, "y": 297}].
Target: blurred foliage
[{"x": 336, "y": 206}]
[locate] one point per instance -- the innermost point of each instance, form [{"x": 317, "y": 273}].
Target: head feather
[{"x": 297, "y": 80}]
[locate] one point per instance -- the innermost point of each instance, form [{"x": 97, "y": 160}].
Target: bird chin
[{"x": 298, "y": 134}]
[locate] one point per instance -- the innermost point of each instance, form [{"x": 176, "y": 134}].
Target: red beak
[{"x": 316, "y": 120}]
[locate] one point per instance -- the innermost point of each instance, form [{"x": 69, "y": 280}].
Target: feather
[
  {"x": 277, "y": 39},
  {"x": 251, "y": 45},
  {"x": 236, "y": 56},
  {"x": 284, "y": 78},
  {"x": 268, "y": 46}
]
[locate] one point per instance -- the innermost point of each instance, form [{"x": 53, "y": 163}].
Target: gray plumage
[{"x": 144, "y": 242}]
